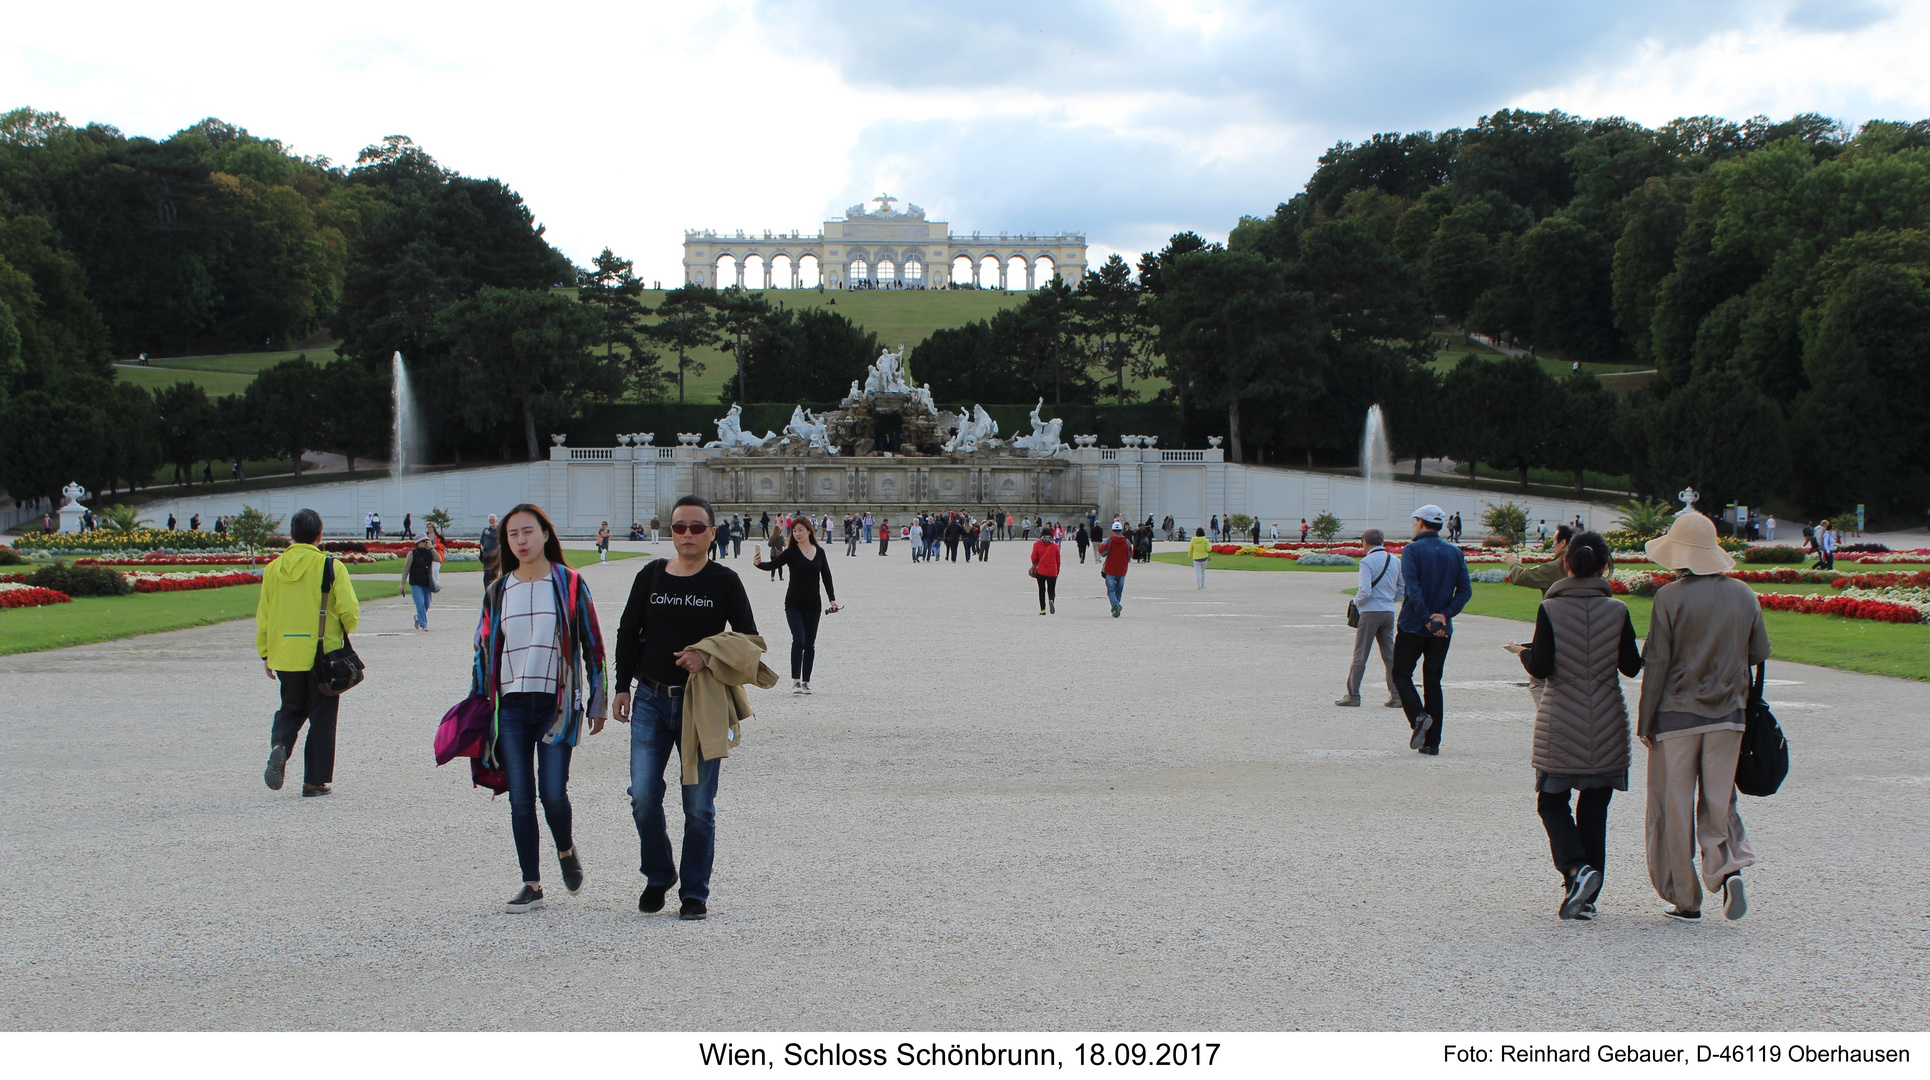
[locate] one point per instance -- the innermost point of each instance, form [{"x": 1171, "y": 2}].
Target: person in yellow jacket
[
  {"x": 1199, "y": 549},
  {"x": 286, "y": 619}
]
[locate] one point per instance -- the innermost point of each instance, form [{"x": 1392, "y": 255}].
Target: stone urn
[
  {"x": 557, "y": 440},
  {"x": 646, "y": 438},
  {"x": 1214, "y": 441}
]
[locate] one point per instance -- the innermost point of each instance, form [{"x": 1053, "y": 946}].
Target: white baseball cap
[{"x": 1431, "y": 514}]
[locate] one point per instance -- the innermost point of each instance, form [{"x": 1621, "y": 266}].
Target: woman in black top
[{"x": 801, "y": 600}]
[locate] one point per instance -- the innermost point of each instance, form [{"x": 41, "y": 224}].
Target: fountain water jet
[
  {"x": 1376, "y": 460},
  {"x": 406, "y": 442}
]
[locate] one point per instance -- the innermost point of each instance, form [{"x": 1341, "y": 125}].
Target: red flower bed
[
  {"x": 1905, "y": 580},
  {"x": 1783, "y": 576},
  {"x": 32, "y": 597},
  {"x": 1877, "y": 610},
  {"x": 199, "y": 581}
]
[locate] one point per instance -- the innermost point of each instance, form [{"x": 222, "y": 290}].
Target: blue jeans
[
  {"x": 530, "y": 765},
  {"x": 1116, "y": 589},
  {"x": 421, "y": 594},
  {"x": 656, "y": 727}
]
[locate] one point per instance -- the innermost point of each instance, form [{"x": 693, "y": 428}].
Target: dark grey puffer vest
[{"x": 1581, "y": 728}]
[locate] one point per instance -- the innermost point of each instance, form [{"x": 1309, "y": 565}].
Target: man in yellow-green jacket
[{"x": 286, "y": 620}]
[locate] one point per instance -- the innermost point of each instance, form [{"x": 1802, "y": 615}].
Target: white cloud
[{"x": 623, "y": 126}]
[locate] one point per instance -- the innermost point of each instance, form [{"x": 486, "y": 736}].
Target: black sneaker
[
  {"x": 1734, "y": 904},
  {"x": 1684, "y": 916},
  {"x": 1581, "y": 889},
  {"x": 1585, "y": 913},
  {"x": 277, "y": 768},
  {"x": 1431, "y": 751},
  {"x": 651, "y": 901},
  {"x": 572, "y": 872},
  {"x": 692, "y": 910},
  {"x": 1421, "y": 727},
  {"x": 530, "y": 897}
]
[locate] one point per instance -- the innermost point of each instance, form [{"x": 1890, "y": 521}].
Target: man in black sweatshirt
[{"x": 674, "y": 604}]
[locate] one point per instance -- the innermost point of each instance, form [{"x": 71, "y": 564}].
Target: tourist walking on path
[
  {"x": 1045, "y": 568},
  {"x": 777, "y": 548},
  {"x": 603, "y": 543},
  {"x": 1769, "y": 528},
  {"x": 851, "y": 538},
  {"x": 803, "y": 604},
  {"x": 490, "y": 553},
  {"x": 1116, "y": 553},
  {"x": 1303, "y": 532},
  {"x": 1199, "y": 549},
  {"x": 539, "y": 647},
  {"x": 1825, "y": 546},
  {"x": 1434, "y": 589},
  {"x": 301, "y": 589},
  {"x": 1583, "y": 637},
  {"x": 1705, "y": 634},
  {"x": 419, "y": 574},
  {"x": 1377, "y": 598},
  {"x": 673, "y": 628},
  {"x": 1081, "y": 539},
  {"x": 884, "y": 534},
  {"x": 1540, "y": 577}
]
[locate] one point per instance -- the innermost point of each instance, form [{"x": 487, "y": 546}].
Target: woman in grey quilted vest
[{"x": 1583, "y": 636}]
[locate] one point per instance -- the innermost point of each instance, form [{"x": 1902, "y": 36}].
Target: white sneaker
[{"x": 807, "y": 688}]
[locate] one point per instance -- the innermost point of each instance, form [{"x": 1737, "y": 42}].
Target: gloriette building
[{"x": 882, "y": 248}]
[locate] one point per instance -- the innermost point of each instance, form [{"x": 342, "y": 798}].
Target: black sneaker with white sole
[
  {"x": 572, "y": 872},
  {"x": 1421, "y": 728},
  {"x": 1682, "y": 916},
  {"x": 1581, "y": 890},
  {"x": 531, "y": 896},
  {"x": 692, "y": 910},
  {"x": 1734, "y": 904},
  {"x": 277, "y": 768}
]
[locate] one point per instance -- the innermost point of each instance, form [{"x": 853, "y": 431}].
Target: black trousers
[
  {"x": 1432, "y": 653},
  {"x": 303, "y": 701},
  {"x": 804, "y": 640},
  {"x": 951, "y": 550},
  {"x": 1580, "y": 839},
  {"x": 1048, "y": 590}
]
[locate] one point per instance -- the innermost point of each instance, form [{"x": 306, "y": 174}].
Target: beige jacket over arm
[
  {"x": 1705, "y": 634},
  {"x": 715, "y": 703}
]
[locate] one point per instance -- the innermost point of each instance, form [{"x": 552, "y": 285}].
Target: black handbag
[
  {"x": 340, "y": 671},
  {"x": 1764, "y": 761},
  {"x": 1353, "y": 609}
]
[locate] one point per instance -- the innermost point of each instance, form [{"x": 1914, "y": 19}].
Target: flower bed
[
  {"x": 184, "y": 582},
  {"x": 1848, "y": 606},
  {"x": 1914, "y": 555},
  {"x": 1785, "y": 576},
  {"x": 169, "y": 558},
  {"x": 132, "y": 540},
  {"x": 14, "y": 594}
]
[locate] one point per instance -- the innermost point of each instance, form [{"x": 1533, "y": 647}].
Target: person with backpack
[
  {"x": 1583, "y": 637},
  {"x": 1377, "y": 597},
  {"x": 539, "y": 648},
  {"x": 419, "y": 574},
  {"x": 1045, "y": 570},
  {"x": 1706, "y": 632},
  {"x": 675, "y": 606},
  {"x": 301, "y": 590}
]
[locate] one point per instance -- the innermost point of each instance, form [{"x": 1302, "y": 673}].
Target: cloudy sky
[{"x": 1128, "y": 120}]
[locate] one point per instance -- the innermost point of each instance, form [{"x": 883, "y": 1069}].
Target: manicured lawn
[
  {"x": 573, "y": 556},
  {"x": 108, "y": 618},
  {"x": 223, "y": 374},
  {"x": 1249, "y": 562},
  {"x": 1876, "y": 648}
]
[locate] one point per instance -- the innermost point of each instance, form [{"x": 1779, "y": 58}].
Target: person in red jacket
[
  {"x": 1045, "y": 567},
  {"x": 1117, "y": 551}
]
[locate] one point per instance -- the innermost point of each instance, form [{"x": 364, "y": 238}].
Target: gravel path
[{"x": 983, "y": 819}]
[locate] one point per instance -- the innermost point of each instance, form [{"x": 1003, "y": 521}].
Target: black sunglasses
[{"x": 684, "y": 527}]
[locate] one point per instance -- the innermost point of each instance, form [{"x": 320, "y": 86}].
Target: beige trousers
[{"x": 1692, "y": 804}]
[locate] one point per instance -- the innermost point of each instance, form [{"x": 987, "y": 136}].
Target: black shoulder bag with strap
[
  {"x": 339, "y": 671},
  {"x": 1353, "y": 607},
  {"x": 1764, "y": 761}
]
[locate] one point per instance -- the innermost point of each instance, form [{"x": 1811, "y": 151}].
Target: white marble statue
[
  {"x": 923, "y": 397},
  {"x": 888, "y": 374},
  {"x": 1044, "y": 438},
  {"x": 731, "y": 434},
  {"x": 856, "y": 390},
  {"x": 973, "y": 429},
  {"x": 814, "y": 431}
]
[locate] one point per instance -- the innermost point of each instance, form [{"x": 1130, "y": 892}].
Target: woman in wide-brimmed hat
[{"x": 1705, "y": 634}]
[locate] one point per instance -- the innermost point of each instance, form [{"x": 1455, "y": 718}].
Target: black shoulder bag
[
  {"x": 1353, "y": 608},
  {"x": 339, "y": 671},
  {"x": 1764, "y": 761}
]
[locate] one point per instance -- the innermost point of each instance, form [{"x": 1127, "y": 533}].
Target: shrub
[
  {"x": 10, "y": 557},
  {"x": 80, "y": 580},
  {"x": 1325, "y": 526},
  {"x": 1773, "y": 553},
  {"x": 1647, "y": 518},
  {"x": 1321, "y": 558},
  {"x": 1240, "y": 523},
  {"x": 346, "y": 547},
  {"x": 1508, "y": 519},
  {"x": 134, "y": 540},
  {"x": 122, "y": 517}
]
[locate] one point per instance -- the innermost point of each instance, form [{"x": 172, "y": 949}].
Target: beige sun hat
[{"x": 1690, "y": 544}]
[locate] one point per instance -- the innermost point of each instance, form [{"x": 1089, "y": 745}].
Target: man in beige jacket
[{"x": 1705, "y": 634}]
